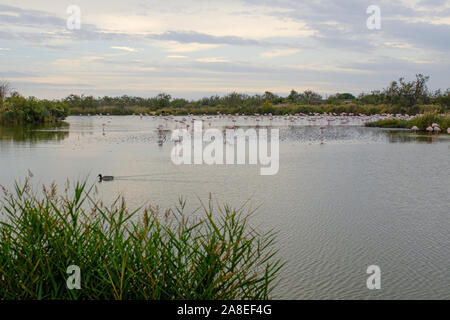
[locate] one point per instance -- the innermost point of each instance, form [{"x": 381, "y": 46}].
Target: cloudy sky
[{"x": 195, "y": 48}]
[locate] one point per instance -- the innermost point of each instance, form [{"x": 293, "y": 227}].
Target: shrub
[
  {"x": 422, "y": 122},
  {"x": 19, "y": 110}
]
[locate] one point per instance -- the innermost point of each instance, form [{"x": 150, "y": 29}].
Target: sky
[{"x": 199, "y": 48}]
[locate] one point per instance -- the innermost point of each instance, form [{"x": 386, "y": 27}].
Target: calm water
[{"x": 364, "y": 197}]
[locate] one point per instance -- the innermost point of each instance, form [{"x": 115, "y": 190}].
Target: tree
[
  {"x": 345, "y": 96},
  {"x": 407, "y": 93},
  {"x": 163, "y": 100},
  {"x": 421, "y": 93},
  {"x": 293, "y": 96},
  {"x": 272, "y": 97},
  {"x": 179, "y": 103},
  {"x": 442, "y": 99},
  {"x": 73, "y": 100},
  {"x": 5, "y": 88},
  {"x": 310, "y": 96}
]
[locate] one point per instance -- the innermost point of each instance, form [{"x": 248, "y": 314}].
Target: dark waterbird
[{"x": 105, "y": 178}]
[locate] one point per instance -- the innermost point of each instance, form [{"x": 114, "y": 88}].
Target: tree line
[
  {"x": 400, "y": 96},
  {"x": 399, "y": 93}
]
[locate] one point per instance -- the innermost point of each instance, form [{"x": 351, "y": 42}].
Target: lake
[{"x": 345, "y": 197}]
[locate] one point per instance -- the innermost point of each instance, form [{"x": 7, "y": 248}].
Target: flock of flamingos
[
  {"x": 233, "y": 121},
  {"x": 267, "y": 119}
]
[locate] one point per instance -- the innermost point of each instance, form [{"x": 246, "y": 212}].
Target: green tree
[
  {"x": 310, "y": 97},
  {"x": 163, "y": 100},
  {"x": 293, "y": 96}
]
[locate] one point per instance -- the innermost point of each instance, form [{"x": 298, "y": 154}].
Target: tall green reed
[{"x": 129, "y": 254}]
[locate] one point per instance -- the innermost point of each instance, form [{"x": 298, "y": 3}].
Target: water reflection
[
  {"x": 127, "y": 129},
  {"x": 35, "y": 133},
  {"x": 337, "y": 134},
  {"x": 407, "y": 136},
  {"x": 162, "y": 135}
]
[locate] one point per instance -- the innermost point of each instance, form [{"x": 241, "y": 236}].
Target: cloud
[
  {"x": 14, "y": 74},
  {"x": 397, "y": 45},
  {"x": 279, "y": 52},
  {"x": 175, "y": 56},
  {"x": 239, "y": 45},
  {"x": 78, "y": 62},
  {"x": 173, "y": 46},
  {"x": 8, "y": 13},
  {"x": 128, "y": 49},
  {"x": 22, "y": 17},
  {"x": 212, "y": 60},
  {"x": 420, "y": 34},
  {"x": 329, "y": 68},
  {"x": 416, "y": 61},
  {"x": 203, "y": 38}
]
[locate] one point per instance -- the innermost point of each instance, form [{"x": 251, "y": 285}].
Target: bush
[
  {"x": 19, "y": 110},
  {"x": 389, "y": 123},
  {"x": 422, "y": 122}
]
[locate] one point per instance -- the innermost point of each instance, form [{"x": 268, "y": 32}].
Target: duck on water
[{"x": 105, "y": 178}]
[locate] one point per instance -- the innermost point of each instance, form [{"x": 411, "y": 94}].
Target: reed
[{"x": 129, "y": 254}]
